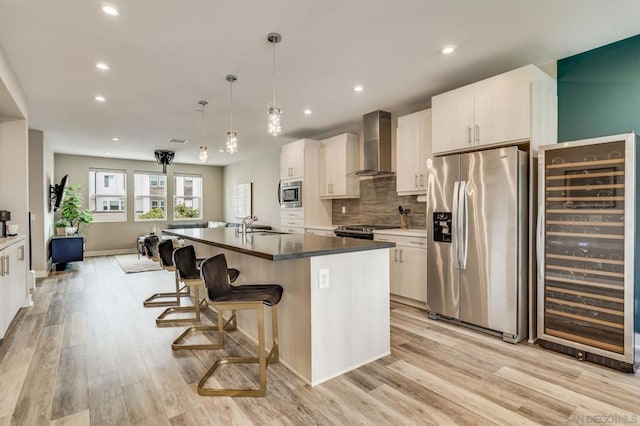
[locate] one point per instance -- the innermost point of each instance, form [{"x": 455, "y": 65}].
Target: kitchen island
[{"x": 334, "y": 314}]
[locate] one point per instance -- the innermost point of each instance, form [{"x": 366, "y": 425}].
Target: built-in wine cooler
[{"x": 587, "y": 234}]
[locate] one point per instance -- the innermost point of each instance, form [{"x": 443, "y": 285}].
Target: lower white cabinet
[
  {"x": 408, "y": 268},
  {"x": 292, "y": 221},
  {"x": 12, "y": 282}
]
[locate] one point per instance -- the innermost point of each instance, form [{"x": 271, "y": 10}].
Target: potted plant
[
  {"x": 71, "y": 211},
  {"x": 61, "y": 225}
]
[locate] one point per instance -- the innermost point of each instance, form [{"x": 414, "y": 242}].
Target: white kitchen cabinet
[
  {"x": 12, "y": 282},
  {"x": 340, "y": 157},
  {"x": 292, "y": 160},
  {"x": 408, "y": 268},
  {"x": 300, "y": 160},
  {"x": 515, "y": 107},
  {"x": 413, "y": 147}
]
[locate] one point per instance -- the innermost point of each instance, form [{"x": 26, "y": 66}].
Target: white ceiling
[{"x": 166, "y": 55}]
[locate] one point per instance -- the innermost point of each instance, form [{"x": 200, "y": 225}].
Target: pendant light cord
[
  {"x": 231, "y": 103},
  {"x": 274, "y": 74}
]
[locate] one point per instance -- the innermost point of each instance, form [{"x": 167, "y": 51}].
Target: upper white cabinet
[
  {"x": 413, "y": 147},
  {"x": 292, "y": 160},
  {"x": 518, "y": 106},
  {"x": 340, "y": 157}
]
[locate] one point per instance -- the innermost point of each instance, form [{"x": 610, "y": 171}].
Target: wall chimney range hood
[{"x": 377, "y": 145}]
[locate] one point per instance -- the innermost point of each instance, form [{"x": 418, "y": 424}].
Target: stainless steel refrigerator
[{"x": 477, "y": 264}]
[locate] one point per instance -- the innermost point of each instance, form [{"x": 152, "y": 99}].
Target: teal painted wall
[{"x": 599, "y": 91}]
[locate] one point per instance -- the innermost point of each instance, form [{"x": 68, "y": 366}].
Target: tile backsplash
[{"x": 378, "y": 205}]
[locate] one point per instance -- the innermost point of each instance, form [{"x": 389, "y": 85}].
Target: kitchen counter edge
[{"x": 353, "y": 245}]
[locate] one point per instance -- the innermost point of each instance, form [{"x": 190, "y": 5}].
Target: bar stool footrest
[{"x": 272, "y": 358}]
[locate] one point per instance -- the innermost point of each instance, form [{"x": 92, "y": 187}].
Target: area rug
[{"x": 131, "y": 264}]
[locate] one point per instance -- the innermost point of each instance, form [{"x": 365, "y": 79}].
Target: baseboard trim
[
  {"x": 109, "y": 252},
  {"x": 42, "y": 274}
]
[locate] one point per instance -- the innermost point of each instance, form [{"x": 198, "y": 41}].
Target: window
[
  {"x": 108, "y": 195},
  {"x": 187, "y": 196},
  {"x": 108, "y": 180},
  {"x": 150, "y": 196}
]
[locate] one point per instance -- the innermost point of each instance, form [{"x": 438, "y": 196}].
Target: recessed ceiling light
[
  {"x": 358, "y": 88},
  {"x": 110, "y": 10},
  {"x": 447, "y": 50},
  {"x": 307, "y": 111},
  {"x": 100, "y": 98},
  {"x": 221, "y": 150},
  {"x": 108, "y": 152},
  {"x": 102, "y": 66},
  {"x": 115, "y": 139}
]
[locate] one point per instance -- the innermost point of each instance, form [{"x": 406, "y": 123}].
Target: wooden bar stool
[
  {"x": 152, "y": 252},
  {"x": 221, "y": 296}
]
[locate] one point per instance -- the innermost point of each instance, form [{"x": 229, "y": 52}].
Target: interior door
[
  {"x": 488, "y": 281},
  {"x": 442, "y": 275}
]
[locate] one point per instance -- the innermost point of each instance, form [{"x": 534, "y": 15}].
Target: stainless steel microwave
[{"x": 290, "y": 194}]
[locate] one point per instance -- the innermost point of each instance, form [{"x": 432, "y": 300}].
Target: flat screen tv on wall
[{"x": 56, "y": 192}]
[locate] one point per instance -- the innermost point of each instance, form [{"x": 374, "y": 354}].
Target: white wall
[
  {"x": 40, "y": 178},
  {"x": 263, "y": 171}
]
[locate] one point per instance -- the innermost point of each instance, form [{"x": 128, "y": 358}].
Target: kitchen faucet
[{"x": 246, "y": 224}]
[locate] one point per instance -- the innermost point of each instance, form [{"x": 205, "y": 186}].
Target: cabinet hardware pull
[
  {"x": 422, "y": 180},
  {"x": 416, "y": 181},
  {"x": 477, "y": 134},
  {"x": 1, "y": 266},
  {"x": 469, "y": 135},
  {"x": 21, "y": 253},
  {"x": 6, "y": 258},
  {"x": 416, "y": 242},
  {"x": 400, "y": 255},
  {"x": 396, "y": 255}
]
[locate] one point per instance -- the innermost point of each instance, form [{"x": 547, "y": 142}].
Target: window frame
[
  {"x": 192, "y": 197},
  {"x": 97, "y": 200},
  {"x": 150, "y": 197}
]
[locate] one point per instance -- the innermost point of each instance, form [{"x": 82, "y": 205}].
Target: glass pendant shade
[
  {"x": 232, "y": 142},
  {"x": 203, "y": 155},
  {"x": 275, "y": 114}
]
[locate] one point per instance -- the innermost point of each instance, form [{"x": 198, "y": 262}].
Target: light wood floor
[{"x": 87, "y": 352}]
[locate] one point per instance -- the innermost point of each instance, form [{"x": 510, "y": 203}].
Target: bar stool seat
[{"x": 221, "y": 296}]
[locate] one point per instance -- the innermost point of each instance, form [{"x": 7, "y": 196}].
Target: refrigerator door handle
[
  {"x": 463, "y": 223},
  {"x": 454, "y": 225}
]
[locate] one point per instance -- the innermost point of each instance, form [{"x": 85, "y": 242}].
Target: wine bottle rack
[{"x": 583, "y": 297}]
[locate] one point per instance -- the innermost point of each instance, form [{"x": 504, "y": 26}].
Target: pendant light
[
  {"x": 232, "y": 137},
  {"x": 274, "y": 110},
  {"x": 202, "y": 155}
]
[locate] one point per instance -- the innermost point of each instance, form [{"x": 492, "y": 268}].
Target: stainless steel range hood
[{"x": 377, "y": 144}]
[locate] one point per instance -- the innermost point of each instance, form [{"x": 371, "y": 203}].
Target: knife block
[{"x": 404, "y": 221}]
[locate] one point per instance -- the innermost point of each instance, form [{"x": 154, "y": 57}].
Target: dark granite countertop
[{"x": 274, "y": 246}]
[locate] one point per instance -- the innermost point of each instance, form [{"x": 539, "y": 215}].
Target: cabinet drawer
[
  {"x": 292, "y": 222},
  {"x": 324, "y": 232},
  {"x": 292, "y": 229},
  {"x": 402, "y": 240},
  {"x": 287, "y": 214}
]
